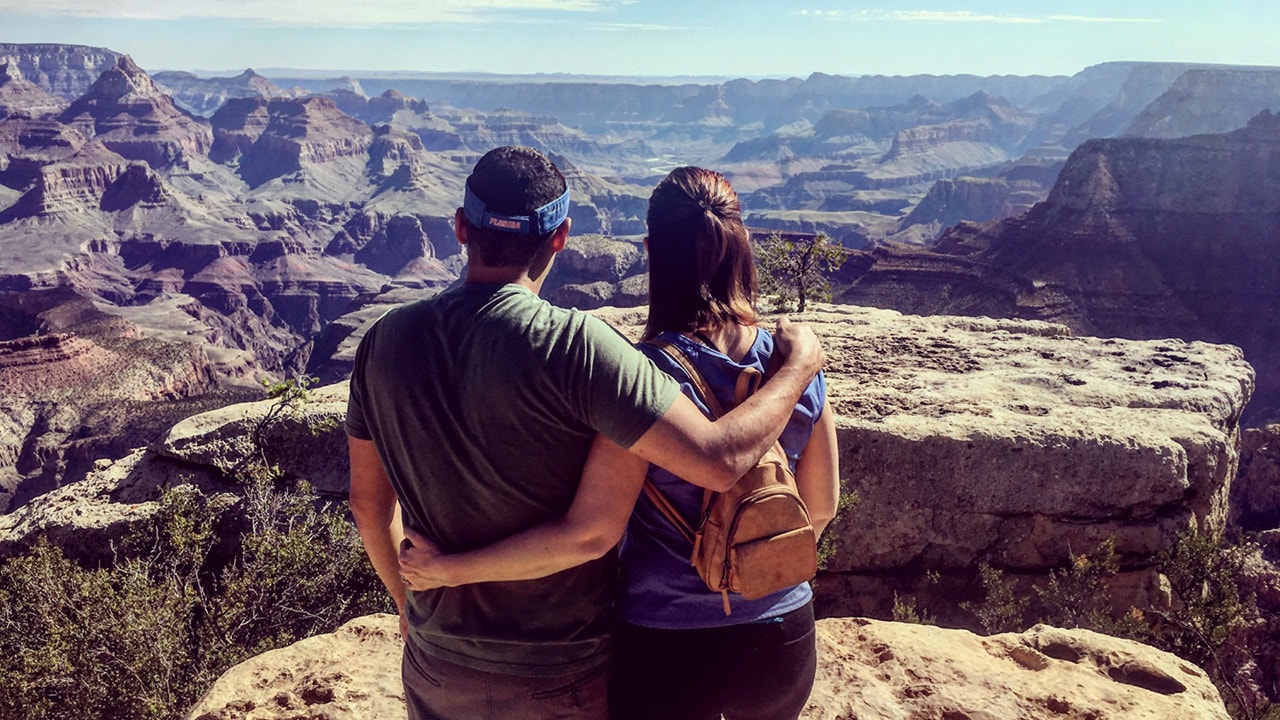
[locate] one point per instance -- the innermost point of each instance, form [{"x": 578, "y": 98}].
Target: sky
[{"x": 726, "y": 38}]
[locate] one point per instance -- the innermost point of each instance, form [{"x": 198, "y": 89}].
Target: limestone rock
[
  {"x": 1019, "y": 444},
  {"x": 1255, "y": 495},
  {"x": 223, "y": 439},
  {"x": 869, "y": 669},
  {"x": 866, "y": 669}
]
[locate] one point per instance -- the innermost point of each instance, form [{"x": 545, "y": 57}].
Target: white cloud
[
  {"x": 960, "y": 16},
  {"x": 1087, "y": 19},
  {"x": 964, "y": 16},
  {"x": 642, "y": 27},
  {"x": 336, "y": 13}
]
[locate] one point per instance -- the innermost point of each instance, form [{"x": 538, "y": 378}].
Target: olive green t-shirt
[{"x": 483, "y": 402}]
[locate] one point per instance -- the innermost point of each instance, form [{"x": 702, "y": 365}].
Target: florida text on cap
[{"x": 540, "y": 222}]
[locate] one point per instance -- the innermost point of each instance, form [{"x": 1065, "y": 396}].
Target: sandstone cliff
[
  {"x": 1139, "y": 238},
  {"x": 126, "y": 112},
  {"x": 64, "y": 70},
  {"x": 203, "y": 96},
  {"x": 1209, "y": 100},
  {"x": 19, "y": 95},
  {"x": 85, "y": 389}
]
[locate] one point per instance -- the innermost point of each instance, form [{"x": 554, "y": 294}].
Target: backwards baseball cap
[{"x": 539, "y": 222}]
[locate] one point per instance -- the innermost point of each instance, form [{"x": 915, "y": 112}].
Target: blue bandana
[{"x": 542, "y": 221}]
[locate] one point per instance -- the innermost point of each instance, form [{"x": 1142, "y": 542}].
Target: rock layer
[{"x": 1139, "y": 238}]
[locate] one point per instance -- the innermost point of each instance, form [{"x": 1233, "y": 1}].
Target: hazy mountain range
[{"x": 207, "y": 230}]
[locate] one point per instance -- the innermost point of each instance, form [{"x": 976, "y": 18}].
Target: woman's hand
[{"x": 420, "y": 566}]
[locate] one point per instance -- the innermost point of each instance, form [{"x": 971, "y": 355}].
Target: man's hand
[
  {"x": 798, "y": 346},
  {"x": 419, "y": 562}
]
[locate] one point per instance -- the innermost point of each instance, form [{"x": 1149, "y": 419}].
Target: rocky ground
[{"x": 866, "y": 669}]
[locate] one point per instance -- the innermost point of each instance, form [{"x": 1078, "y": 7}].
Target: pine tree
[{"x": 795, "y": 271}]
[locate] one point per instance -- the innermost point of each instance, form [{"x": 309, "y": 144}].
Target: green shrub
[
  {"x": 143, "y": 638},
  {"x": 1002, "y": 608}
]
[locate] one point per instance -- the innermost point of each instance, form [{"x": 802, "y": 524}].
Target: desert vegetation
[{"x": 208, "y": 582}]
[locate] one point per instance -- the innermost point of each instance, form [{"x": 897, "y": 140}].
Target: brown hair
[{"x": 701, "y": 272}]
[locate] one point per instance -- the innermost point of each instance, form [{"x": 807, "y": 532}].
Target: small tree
[{"x": 795, "y": 271}]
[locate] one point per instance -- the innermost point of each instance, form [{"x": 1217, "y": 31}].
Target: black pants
[{"x": 758, "y": 671}]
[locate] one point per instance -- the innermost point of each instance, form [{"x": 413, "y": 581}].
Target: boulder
[
  {"x": 305, "y": 442},
  {"x": 866, "y": 669},
  {"x": 1020, "y": 445},
  {"x": 352, "y": 673}
]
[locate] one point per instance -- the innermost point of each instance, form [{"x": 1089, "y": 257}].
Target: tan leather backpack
[{"x": 756, "y": 537}]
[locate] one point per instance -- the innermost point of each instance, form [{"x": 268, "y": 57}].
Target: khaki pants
[{"x": 436, "y": 689}]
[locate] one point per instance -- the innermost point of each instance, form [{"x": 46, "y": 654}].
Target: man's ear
[
  {"x": 561, "y": 236},
  {"x": 460, "y": 226},
  {"x": 646, "y": 243}
]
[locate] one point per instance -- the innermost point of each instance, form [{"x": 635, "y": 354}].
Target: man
[{"x": 475, "y": 410}]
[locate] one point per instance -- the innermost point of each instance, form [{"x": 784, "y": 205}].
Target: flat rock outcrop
[
  {"x": 866, "y": 669},
  {"x": 64, "y": 70},
  {"x": 1019, "y": 444}
]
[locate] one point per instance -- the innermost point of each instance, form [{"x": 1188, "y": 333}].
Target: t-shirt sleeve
[
  {"x": 618, "y": 390},
  {"x": 356, "y": 425}
]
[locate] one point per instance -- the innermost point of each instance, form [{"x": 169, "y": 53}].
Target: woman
[
  {"x": 758, "y": 661},
  {"x": 676, "y": 653}
]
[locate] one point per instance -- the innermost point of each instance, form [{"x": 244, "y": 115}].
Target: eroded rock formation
[
  {"x": 64, "y": 70},
  {"x": 21, "y": 96},
  {"x": 1139, "y": 238},
  {"x": 203, "y": 96},
  {"x": 126, "y": 112}
]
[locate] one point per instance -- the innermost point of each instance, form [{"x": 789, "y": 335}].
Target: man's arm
[
  {"x": 373, "y": 503},
  {"x": 715, "y": 454},
  {"x": 611, "y": 482}
]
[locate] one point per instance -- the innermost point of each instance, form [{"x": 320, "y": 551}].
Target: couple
[{"x": 509, "y": 439}]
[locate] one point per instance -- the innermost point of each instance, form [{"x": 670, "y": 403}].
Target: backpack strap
[
  {"x": 660, "y": 501},
  {"x": 700, "y": 386},
  {"x": 704, "y": 393}
]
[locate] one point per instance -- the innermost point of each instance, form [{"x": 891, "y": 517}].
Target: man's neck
[{"x": 486, "y": 275}]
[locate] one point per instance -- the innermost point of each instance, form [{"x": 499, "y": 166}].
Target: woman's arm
[
  {"x": 818, "y": 471},
  {"x": 594, "y": 523}
]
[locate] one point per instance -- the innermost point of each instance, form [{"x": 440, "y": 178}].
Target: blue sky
[{"x": 750, "y": 38}]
